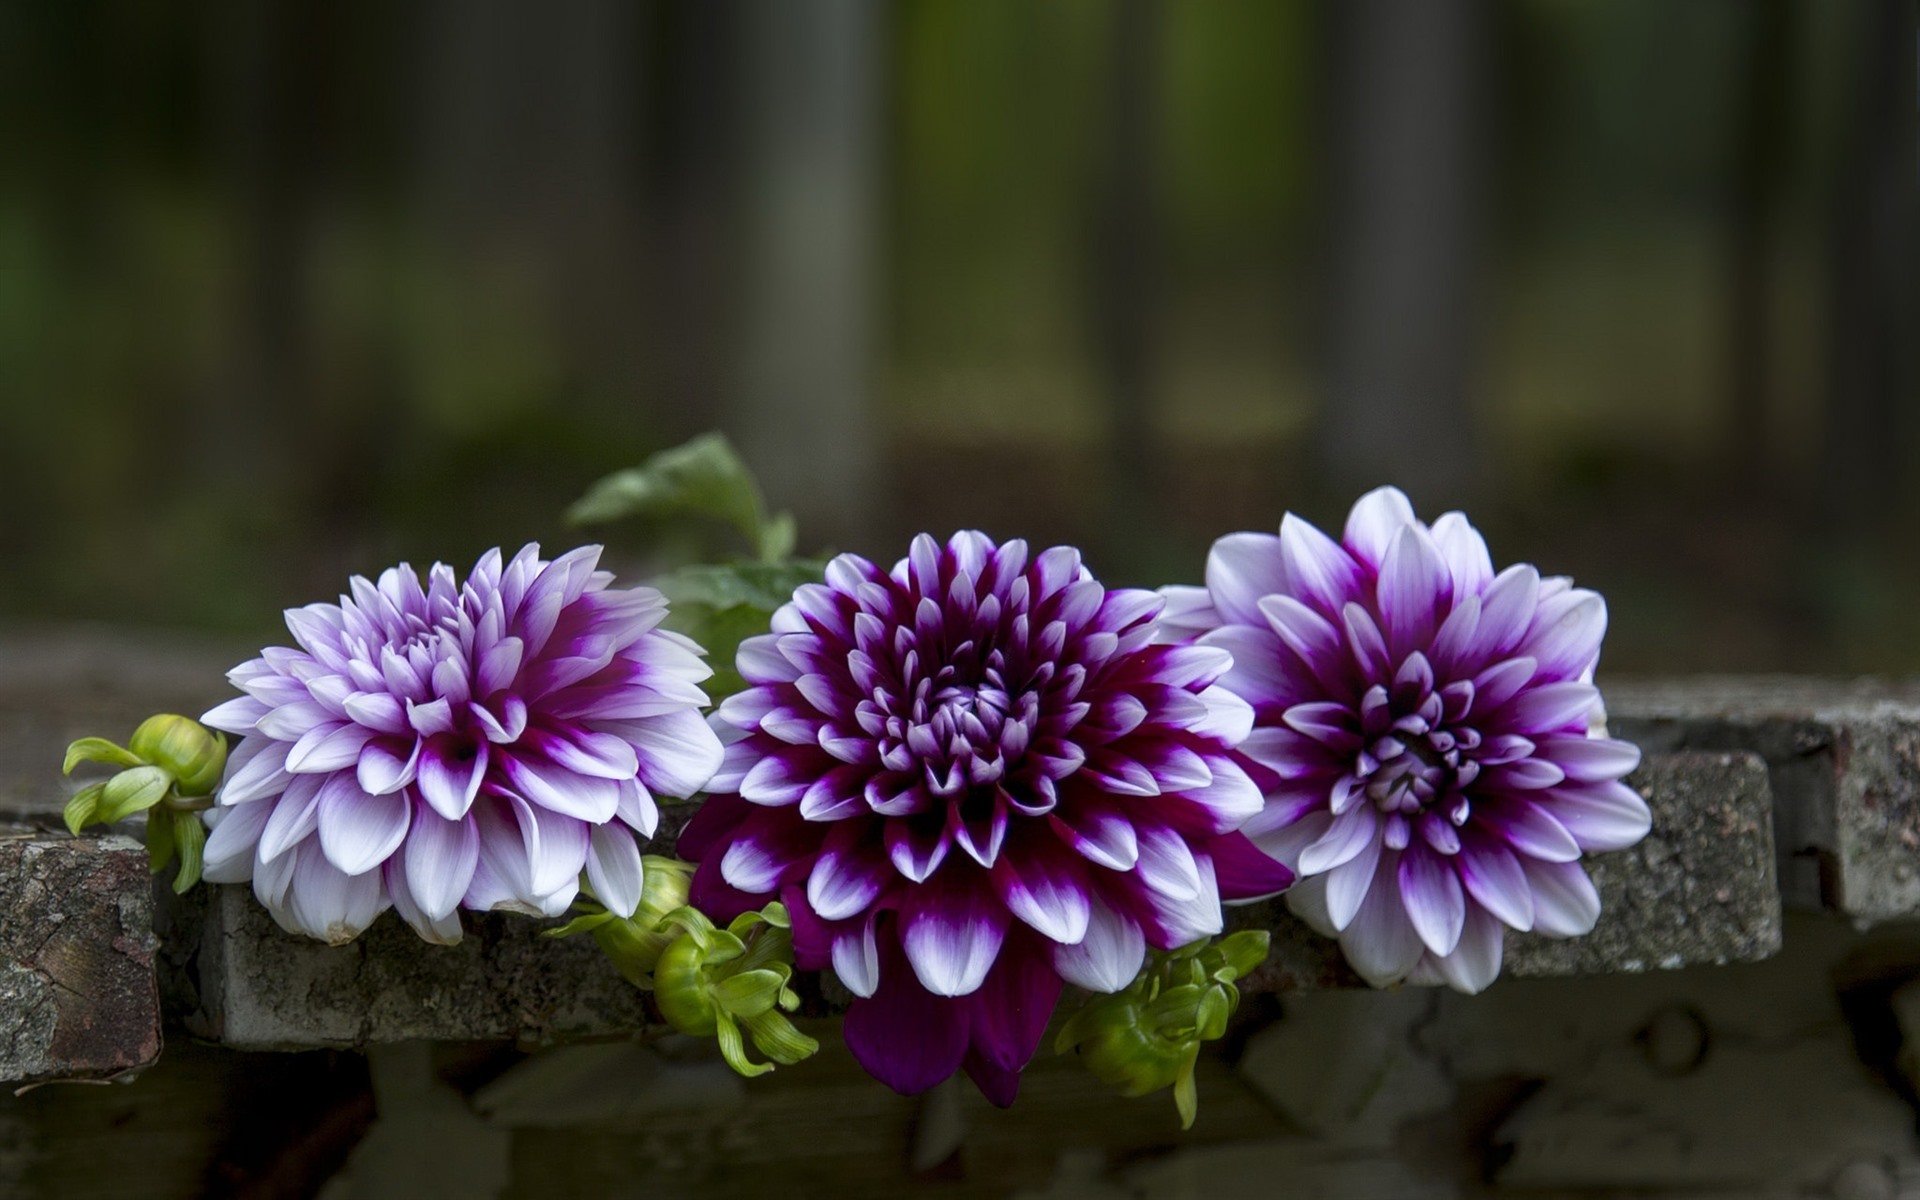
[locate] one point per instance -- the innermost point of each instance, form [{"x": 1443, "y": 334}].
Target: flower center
[{"x": 1417, "y": 757}]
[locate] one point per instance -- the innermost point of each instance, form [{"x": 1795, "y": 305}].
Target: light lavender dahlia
[
  {"x": 971, "y": 779},
  {"x": 448, "y": 745},
  {"x": 1425, "y": 733}
]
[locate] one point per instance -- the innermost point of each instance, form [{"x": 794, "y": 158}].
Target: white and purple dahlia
[
  {"x": 1426, "y": 734},
  {"x": 444, "y": 745},
  {"x": 969, "y": 779}
]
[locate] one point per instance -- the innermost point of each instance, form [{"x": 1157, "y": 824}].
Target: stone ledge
[
  {"x": 236, "y": 977},
  {"x": 1844, "y": 760},
  {"x": 77, "y": 994},
  {"x": 1699, "y": 891}
]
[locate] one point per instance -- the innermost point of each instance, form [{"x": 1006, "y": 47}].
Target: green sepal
[
  {"x": 1186, "y": 1092},
  {"x": 133, "y": 790},
  {"x": 160, "y": 839},
  {"x": 750, "y": 993},
  {"x": 734, "y": 1050},
  {"x": 584, "y": 923},
  {"x": 80, "y": 810},
  {"x": 1243, "y": 952},
  {"x": 777, "y": 1038},
  {"x": 190, "y": 839},
  {"x": 97, "y": 750}
]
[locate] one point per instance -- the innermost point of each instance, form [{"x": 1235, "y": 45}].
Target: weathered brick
[
  {"x": 1699, "y": 890},
  {"x": 1844, "y": 759},
  {"x": 77, "y": 993}
]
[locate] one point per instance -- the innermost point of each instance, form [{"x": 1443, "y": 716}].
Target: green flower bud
[
  {"x": 716, "y": 982},
  {"x": 635, "y": 943},
  {"x": 168, "y": 771},
  {"x": 187, "y": 750},
  {"x": 1148, "y": 1036}
]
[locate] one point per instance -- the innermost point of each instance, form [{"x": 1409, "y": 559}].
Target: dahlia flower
[
  {"x": 445, "y": 745},
  {"x": 971, "y": 779},
  {"x": 1425, "y": 734}
]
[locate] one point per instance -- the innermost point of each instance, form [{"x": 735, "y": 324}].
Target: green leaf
[
  {"x": 131, "y": 791},
  {"x": 777, "y": 537},
  {"x": 703, "y": 477},
  {"x": 760, "y": 585},
  {"x": 81, "y": 811},
  {"x": 190, "y": 838},
  {"x": 97, "y": 750},
  {"x": 160, "y": 838}
]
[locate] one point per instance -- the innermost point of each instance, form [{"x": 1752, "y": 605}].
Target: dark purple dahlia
[
  {"x": 1426, "y": 733},
  {"x": 452, "y": 744},
  {"x": 969, "y": 779}
]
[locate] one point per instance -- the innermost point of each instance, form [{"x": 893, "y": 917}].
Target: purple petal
[
  {"x": 385, "y": 768},
  {"x": 1590, "y": 759},
  {"x": 550, "y": 786},
  {"x": 1099, "y": 832},
  {"x": 856, "y": 959},
  {"x": 1465, "y": 552},
  {"x": 1375, "y": 520},
  {"x": 1109, "y": 957},
  {"x": 358, "y": 831},
  {"x": 450, "y": 775},
  {"x": 848, "y": 876},
  {"x": 1602, "y": 816},
  {"x": 325, "y": 903},
  {"x": 1435, "y": 902},
  {"x": 444, "y": 930},
  {"x": 951, "y": 933},
  {"x": 296, "y": 813},
  {"x": 232, "y": 841},
  {"x": 1565, "y": 903},
  {"x": 614, "y": 869},
  {"x": 1381, "y": 943},
  {"x": 1531, "y": 830},
  {"x": 904, "y": 1036},
  {"x": 439, "y": 861},
  {"x": 1496, "y": 881},
  {"x": 1242, "y": 568},
  {"x": 1044, "y": 886},
  {"x": 1349, "y": 834},
  {"x": 1348, "y": 884},
  {"x": 1011, "y": 1010},
  {"x": 1318, "y": 570},
  {"x": 1413, "y": 584},
  {"x": 1475, "y": 962}
]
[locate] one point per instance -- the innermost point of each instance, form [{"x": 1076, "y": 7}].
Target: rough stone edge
[
  {"x": 82, "y": 1003},
  {"x": 1844, "y": 762}
]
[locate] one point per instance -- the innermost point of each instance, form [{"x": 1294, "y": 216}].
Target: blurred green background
[{"x": 289, "y": 291}]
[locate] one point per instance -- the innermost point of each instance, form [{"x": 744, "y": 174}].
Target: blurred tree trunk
[
  {"x": 1871, "y": 425},
  {"x": 809, "y": 125},
  {"x": 1125, "y": 281},
  {"x": 690, "y": 253},
  {"x": 1406, "y": 138},
  {"x": 1759, "y": 149}
]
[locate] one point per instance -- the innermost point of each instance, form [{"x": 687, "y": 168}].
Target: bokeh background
[{"x": 288, "y": 291}]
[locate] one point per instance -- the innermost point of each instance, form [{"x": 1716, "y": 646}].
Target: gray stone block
[
  {"x": 1699, "y": 890},
  {"x": 241, "y": 979},
  {"x": 1844, "y": 759},
  {"x": 77, "y": 994}
]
